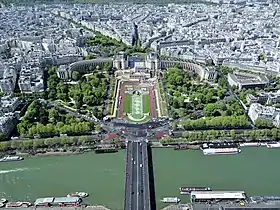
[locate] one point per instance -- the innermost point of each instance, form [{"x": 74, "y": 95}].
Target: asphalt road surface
[{"x": 137, "y": 184}]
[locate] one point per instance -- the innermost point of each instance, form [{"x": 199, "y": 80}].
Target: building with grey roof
[
  {"x": 31, "y": 79},
  {"x": 8, "y": 82},
  {"x": 9, "y": 104},
  {"x": 7, "y": 123},
  {"x": 243, "y": 80},
  {"x": 264, "y": 98},
  {"x": 258, "y": 111}
]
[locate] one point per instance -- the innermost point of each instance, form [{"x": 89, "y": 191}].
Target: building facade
[
  {"x": 258, "y": 111},
  {"x": 151, "y": 62}
]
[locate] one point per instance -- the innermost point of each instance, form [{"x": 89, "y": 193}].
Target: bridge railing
[
  {"x": 128, "y": 180},
  {"x": 147, "y": 205}
]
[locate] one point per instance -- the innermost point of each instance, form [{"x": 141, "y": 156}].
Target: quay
[{"x": 91, "y": 207}]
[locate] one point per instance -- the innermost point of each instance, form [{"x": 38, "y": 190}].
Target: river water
[{"x": 255, "y": 170}]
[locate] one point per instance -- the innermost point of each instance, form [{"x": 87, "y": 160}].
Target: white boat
[
  {"x": 250, "y": 144},
  {"x": 18, "y": 204},
  {"x": 188, "y": 190},
  {"x": 273, "y": 145},
  {"x": 3, "y": 200},
  {"x": 11, "y": 158},
  {"x": 78, "y": 194},
  {"x": 221, "y": 151},
  {"x": 171, "y": 200}
]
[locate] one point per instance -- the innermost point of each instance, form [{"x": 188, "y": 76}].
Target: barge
[
  {"x": 58, "y": 201},
  {"x": 181, "y": 147},
  {"x": 105, "y": 150},
  {"x": 220, "y": 149},
  {"x": 188, "y": 190},
  {"x": 250, "y": 144}
]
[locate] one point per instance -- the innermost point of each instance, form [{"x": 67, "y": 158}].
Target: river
[{"x": 255, "y": 170}]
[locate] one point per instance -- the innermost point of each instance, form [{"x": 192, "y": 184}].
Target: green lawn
[
  {"x": 146, "y": 103},
  {"x": 144, "y": 116},
  {"x": 127, "y": 103}
]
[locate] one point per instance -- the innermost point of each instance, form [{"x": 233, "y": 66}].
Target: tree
[
  {"x": 232, "y": 134},
  {"x": 263, "y": 123},
  {"x": 76, "y": 75},
  {"x": 210, "y": 109}
]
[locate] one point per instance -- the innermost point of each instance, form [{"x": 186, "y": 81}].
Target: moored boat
[
  {"x": 3, "y": 200},
  {"x": 250, "y": 144},
  {"x": 78, "y": 194},
  {"x": 18, "y": 204},
  {"x": 221, "y": 151},
  {"x": 273, "y": 145},
  {"x": 105, "y": 150},
  {"x": 171, "y": 200},
  {"x": 11, "y": 158},
  {"x": 188, "y": 190}
]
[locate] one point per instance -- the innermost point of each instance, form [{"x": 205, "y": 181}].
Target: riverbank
[
  {"x": 102, "y": 176},
  {"x": 50, "y": 154},
  {"x": 83, "y": 149},
  {"x": 91, "y": 207}
]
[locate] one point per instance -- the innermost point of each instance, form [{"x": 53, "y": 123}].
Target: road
[{"x": 137, "y": 192}]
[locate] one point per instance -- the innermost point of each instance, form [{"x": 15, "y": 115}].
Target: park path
[{"x": 152, "y": 102}]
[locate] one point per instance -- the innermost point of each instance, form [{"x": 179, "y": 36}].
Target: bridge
[{"x": 137, "y": 187}]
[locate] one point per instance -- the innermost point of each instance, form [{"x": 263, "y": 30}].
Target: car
[
  {"x": 138, "y": 193},
  {"x": 134, "y": 162},
  {"x": 141, "y": 165}
]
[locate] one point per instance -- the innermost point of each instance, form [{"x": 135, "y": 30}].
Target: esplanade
[{"x": 151, "y": 62}]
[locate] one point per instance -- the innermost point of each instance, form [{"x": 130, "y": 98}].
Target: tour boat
[
  {"x": 78, "y": 194},
  {"x": 273, "y": 145},
  {"x": 11, "y": 158},
  {"x": 18, "y": 204},
  {"x": 171, "y": 200},
  {"x": 221, "y": 151}
]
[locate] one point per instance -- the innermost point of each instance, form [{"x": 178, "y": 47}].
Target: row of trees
[
  {"x": 215, "y": 122},
  {"x": 25, "y": 145},
  {"x": 111, "y": 46},
  {"x": 46, "y": 121},
  {"x": 214, "y": 135}
]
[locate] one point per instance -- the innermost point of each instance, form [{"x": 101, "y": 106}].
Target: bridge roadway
[{"x": 137, "y": 190}]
